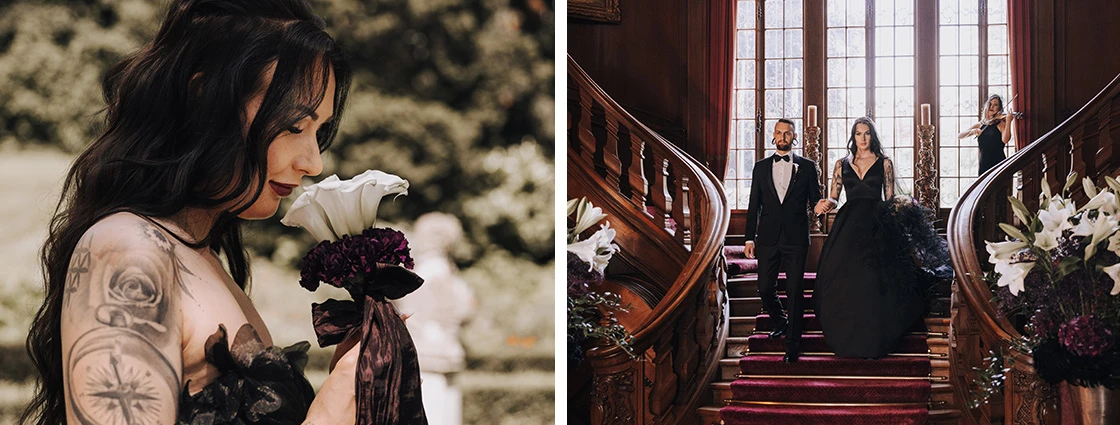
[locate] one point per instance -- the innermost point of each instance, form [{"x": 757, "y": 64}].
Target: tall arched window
[{"x": 872, "y": 51}]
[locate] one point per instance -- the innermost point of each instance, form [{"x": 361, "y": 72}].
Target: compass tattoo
[{"x": 124, "y": 368}]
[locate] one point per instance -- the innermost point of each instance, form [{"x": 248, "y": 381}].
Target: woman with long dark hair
[
  {"x": 869, "y": 289},
  {"x": 145, "y": 318}
]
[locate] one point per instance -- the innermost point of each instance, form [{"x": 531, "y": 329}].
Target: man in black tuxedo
[{"x": 784, "y": 187}]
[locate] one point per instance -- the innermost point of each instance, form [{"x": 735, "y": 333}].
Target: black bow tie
[{"x": 781, "y": 157}]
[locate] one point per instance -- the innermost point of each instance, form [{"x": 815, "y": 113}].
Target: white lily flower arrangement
[
  {"x": 1061, "y": 270},
  {"x": 587, "y": 265},
  {"x": 334, "y": 208}
]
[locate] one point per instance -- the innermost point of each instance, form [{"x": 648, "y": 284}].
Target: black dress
[
  {"x": 991, "y": 147},
  {"x": 258, "y": 385},
  {"x": 877, "y": 265}
]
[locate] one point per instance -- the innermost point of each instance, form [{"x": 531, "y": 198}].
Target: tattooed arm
[
  {"x": 121, "y": 342},
  {"x": 888, "y": 179}
]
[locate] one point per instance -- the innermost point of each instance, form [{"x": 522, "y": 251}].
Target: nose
[{"x": 309, "y": 161}]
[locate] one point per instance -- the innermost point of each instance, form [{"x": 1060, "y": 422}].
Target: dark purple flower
[
  {"x": 1085, "y": 336},
  {"x": 344, "y": 263}
]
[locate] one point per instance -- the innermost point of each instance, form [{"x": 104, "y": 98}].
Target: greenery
[{"x": 456, "y": 97}]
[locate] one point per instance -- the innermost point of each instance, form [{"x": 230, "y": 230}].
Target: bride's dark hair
[{"x": 175, "y": 137}]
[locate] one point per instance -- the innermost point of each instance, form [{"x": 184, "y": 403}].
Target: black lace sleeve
[
  {"x": 837, "y": 181},
  {"x": 888, "y": 178}
]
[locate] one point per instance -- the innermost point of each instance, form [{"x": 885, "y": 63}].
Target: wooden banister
[
  {"x": 670, "y": 215},
  {"x": 1085, "y": 144}
]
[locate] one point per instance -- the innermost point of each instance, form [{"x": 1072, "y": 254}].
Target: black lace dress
[
  {"x": 258, "y": 385},
  {"x": 877, "y": 265}
]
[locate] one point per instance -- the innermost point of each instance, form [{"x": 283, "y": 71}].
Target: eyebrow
[{"x": 311, "y": 113}]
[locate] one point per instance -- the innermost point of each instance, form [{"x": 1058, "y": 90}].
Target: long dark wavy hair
[
  {"x": 876, "y": 145},
  {"x": 175, "y": 138}
]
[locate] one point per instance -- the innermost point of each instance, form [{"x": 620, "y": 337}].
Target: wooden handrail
[
  {"x": 671, "y": 216},
  {"x": 1085, "y": 143}
]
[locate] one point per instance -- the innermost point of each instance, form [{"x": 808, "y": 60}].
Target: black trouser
[{"x": 770, "y": 259}]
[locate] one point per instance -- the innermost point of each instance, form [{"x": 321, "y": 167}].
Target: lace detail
[
  {"x": 888, "y": 178},
  {"x": 258, "y": 385},
  {"x": 837, "y": 181}
]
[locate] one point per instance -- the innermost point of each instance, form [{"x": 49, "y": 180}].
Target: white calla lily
[
  {"x": 334, "y": 208},
  {"x": 1104, "y": 202},
  {"x": 1113, "y": 271},
  {"x": 1013, "y": 274},
  {"x": 597, "y": 249},
  {"x": 1099, "y": 228}
]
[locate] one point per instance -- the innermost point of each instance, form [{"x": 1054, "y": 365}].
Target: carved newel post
[{"x": 813, "y": 152}]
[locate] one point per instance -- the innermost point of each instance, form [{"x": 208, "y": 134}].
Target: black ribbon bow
[
  {"x": 388, "y": 375},
  {"x": 781, "y": 157}
]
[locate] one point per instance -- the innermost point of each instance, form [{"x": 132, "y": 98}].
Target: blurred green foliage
[{"x": 457, "y": 97}]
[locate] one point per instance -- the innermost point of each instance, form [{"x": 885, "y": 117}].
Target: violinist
[{"x": 992, "y": 132}]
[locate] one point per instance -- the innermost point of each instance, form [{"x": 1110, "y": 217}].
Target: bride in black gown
[{"x": 871, "y": 283}]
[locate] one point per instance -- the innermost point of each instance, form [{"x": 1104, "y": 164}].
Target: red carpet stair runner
[{"x": 758, "y": 388}]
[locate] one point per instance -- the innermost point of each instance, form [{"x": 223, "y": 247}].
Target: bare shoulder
[{"x": 121, "y": 323}]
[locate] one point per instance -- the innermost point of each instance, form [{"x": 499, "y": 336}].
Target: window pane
[
  {"x": 904, "y": 70},
  {"x": 904, "y": 15},
  {"x": 884, "y": 72},
  {"x": 746, "y": 134},
  {"x": 774, "y": 103},
  {"x": 904, "y": 102},
  {"x": 774, "y": 15},
  {"x": 906, "y": 130},
  {"x": 744, "y": 103},
  {"x": 950, "y": 40},
  {"x": 836, "y": 41},
  {"x": 997, "y": 70},
  {"x": 997, "y": 39},
  {"x": 970, "y": 39},
  {"x": 884, "y": 12},
  {"x": 857, "y": 72},
  {"x": 837, "y": 133},
  {"x": 884, "y": 101},
  {"x": 836, "y": 73},
  {"x": 904, "y": 41},
  {"x": 857, "y": 13},
  {"x": 857, "y": 42},
  {"x": 793, "y": 13},
  {"x": 857, "y": 102},
  {"x": 970, "y": 70},
  {"x": 950, "y": 71},
  {"x": 793, "y": 73},
  {"x": 950, "y": 101},
  {"x": 793, "y": 43},
  {"x": 950, "y": 10},
  {"x": 949, "y": 162},
  {"x": 970, "y": 12},
  {"x": 744, "y": 44},
  {"x": 745, "y": 15},
  {"x": 744, "y": 73},
  {"x": 793, "y": 106},
  {"x": 774, "y": 44},
  {"x": 904, "y": 160},
  {"x": 970, "y": 101},
  {"x": 885, "y": 127},
  {"x": 884, "y": 41},
  {"x": 997, "y": 12},
  {"x": 774, "y": 76},
  {"x": 836, "y": 13}
]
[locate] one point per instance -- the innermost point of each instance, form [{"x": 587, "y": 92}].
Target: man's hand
[{"x": 748, "y": 249}]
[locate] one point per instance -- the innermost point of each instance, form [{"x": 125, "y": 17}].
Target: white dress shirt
[{"x": 781, "y": 172}]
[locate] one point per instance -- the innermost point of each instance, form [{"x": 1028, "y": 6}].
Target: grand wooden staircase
[{"x": 699, "y": 331}]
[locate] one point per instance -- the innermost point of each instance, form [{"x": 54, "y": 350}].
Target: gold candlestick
[{"x": 925, "y": 186}]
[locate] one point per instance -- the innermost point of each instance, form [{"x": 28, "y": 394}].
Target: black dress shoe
[
  {"x": 777, "y": 333},
  {"x": 791, "y": 356}
]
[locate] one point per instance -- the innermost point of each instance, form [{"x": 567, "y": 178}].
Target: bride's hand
[
  {"x": 335, "y": 403},
  {"x": 823, "y": 206}
]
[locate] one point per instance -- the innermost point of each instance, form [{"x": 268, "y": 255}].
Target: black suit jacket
[{"x": 770, "y": 219}]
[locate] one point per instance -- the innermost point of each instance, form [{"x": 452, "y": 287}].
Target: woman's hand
[
  {"x": 336, "y": 402},
  {"x": 823, "y": 206}
]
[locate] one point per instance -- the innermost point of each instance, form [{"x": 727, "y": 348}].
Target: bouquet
[
  {"x": 1062, "y": 273},
  {"x": 373, "y": 265},
  {"x": 587, "y": 261}
]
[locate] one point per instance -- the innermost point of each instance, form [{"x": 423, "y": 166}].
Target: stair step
[
  {"x": 831, "y": 390},
  {"x": 741, "y": 325},
  {"x": 709, "y": 415},
  {"x": 831, "y": 366},
  {"x": 814, "y": 343},
  {"x": 752, "y": 306},
  {"x": 848, "y": 415}
]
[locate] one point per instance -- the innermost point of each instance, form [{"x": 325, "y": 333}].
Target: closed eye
[{"x": 294, "y": 130}]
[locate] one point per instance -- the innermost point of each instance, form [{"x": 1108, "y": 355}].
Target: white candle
[
  {"x": 925, "y": 114},
  {"x": 812, "y": 115}
]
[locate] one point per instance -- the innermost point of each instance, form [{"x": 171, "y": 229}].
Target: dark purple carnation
[
  {"x": 1085, "y": 336},
  {"x": 345, "y": 262},
  {"x": 580, "y": 276},
  {"x": 1044, "y": 324}
]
